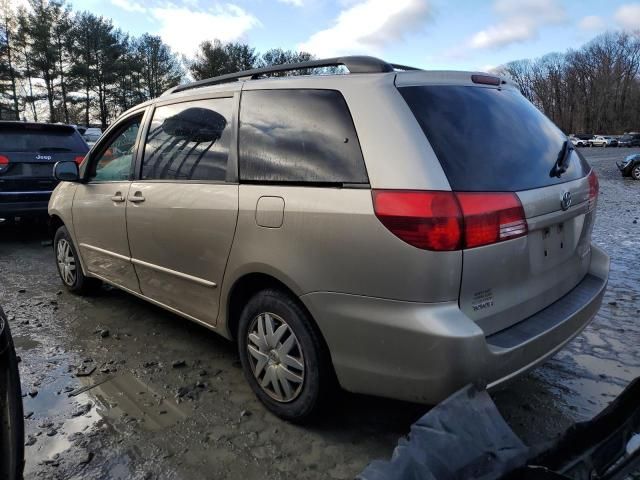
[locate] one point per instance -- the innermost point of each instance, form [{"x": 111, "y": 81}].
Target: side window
[
  {"x": 189, "y": 141},
  {"x": 299, "y": 136},
  {"x": 114, "y": 161}
]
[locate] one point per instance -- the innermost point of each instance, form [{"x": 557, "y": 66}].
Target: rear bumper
[
  {"x": 424, "y": 352},
  {"x": 18, "y": 204}
]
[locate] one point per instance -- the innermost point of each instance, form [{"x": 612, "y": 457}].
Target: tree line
[
  {"x": 58, "y": 65},
  {"x": 595, "y": 89}
]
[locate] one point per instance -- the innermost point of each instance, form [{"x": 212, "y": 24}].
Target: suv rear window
[
  {"x": 490, "y": 139},
  {"x": 40, "y": 138},
  {"x": 298, "y": 136}
]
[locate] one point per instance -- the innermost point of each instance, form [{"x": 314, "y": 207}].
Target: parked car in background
[
  {"x": 92, "y": 134},
  {"x": 80, "y": 129},
  {"x": 578, "y": 142},
  {"x": 603, "y": 141},
  {"x": 254, "y": 208},
  {"x": 629, "y": 140},
  {"x": 11, "y": 416},
  {"x": 28, "y": 152},
  {"x": 630, "y": 166}
]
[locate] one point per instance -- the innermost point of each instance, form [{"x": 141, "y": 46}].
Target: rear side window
[
  {"x": 490, "y": 139},
  {"x": 41, "y": 138},
  {"x": 298, "y": 136},
  {"x": 189, "y": 141}
]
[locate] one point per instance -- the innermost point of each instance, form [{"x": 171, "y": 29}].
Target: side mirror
[{"x": 66, "y": 172}]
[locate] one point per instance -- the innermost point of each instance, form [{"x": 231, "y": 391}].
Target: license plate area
[{"x": 554, "y": 241}]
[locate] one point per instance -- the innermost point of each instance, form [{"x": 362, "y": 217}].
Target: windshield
[
  {"x": 490, "y": 139},
  {"x": 38, "y": 139}
]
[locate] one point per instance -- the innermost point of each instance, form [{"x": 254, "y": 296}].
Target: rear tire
[
  {"x": 283, "y": 356},
  {"x": 68, "y": 265},
  {"x": 635, "y": 172}
]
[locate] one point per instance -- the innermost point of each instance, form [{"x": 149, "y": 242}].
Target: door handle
[
  {"x": 117, "y": 197},
  {"x": 136, "y": 198}
]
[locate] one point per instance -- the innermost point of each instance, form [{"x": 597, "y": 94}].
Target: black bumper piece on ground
[
  {"x": 11, "y": 417},
  {"x": 465, "y": 437}
]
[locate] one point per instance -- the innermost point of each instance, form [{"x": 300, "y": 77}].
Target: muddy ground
[{"x": 169, "y": 400}]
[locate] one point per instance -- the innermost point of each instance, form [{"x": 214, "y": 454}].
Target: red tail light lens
[
  {"x": 78, "y": 159},
  {"x": 445, "y": 221},
  {"x": 491, "y": 217},
  {"x": 4, "y": 162},
  {"x": 594, "y": 188},
  {"x": 427, "y": 220}
]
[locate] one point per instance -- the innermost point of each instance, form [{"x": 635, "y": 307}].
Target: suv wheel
[
  {"x": 635, "y": 172},
  {"x": 68, "y": 265},
  {"x": 283, "y": 356}
]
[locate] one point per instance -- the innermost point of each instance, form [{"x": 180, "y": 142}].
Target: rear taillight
[
  {"x": 450, "y": 221},
  {"x": 4, "y": 162},
  {"x": 78, "y": 159},
  {"x": 594, "y": 188},
  {"x": 427, "y": 220},
  {"x": 491, "y": 217}
]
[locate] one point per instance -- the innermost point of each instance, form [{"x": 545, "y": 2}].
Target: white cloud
[
  {"x": 129, "y": 6},
  {"x": 369, "y": 26},
  {"x": 185, "y": 29},
  {"x": 628, "y": 16},
  {"x": 592, "y": 23},
  {"x": 295, "y": 3},
  {"x": 521, "y": 20}
]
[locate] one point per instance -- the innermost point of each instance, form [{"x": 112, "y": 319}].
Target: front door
[
  {"x": 181, "y": 214},
  {"x": 99, "y": 207}
]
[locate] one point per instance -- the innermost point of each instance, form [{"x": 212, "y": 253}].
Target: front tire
[
  {"x": 68, "y": 264},
  {"x": 635, "y": 172},
  {"x": 283, "y": 356}
]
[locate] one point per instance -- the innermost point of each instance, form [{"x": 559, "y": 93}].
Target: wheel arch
[{"x": 247, "y": 285}]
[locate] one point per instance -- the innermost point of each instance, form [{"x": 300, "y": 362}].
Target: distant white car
[
  {"x": 91, "y": 135},
  {"x": 603, "y": 141},
  {"x": 578, "y": 142}
]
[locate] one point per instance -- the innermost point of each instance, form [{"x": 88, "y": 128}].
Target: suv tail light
[
  {"x": 445, "y": 221},
  {"x": 78, "y": 159},
  {"x": 4, "y": 162},
  {"x": 594, "y": 187}
]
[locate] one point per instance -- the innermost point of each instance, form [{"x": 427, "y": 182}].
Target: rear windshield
[
  {"x": 490, "y": 139},
  {"x": 40, "y": 138}
]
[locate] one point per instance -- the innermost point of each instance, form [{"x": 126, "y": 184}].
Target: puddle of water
[
  {"x": 127, "y": 396},
  {"x": 114, "y": 399},
  {"x": 610, "y": 367}
]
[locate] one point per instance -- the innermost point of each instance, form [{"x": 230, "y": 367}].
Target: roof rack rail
[{"x": 355, "y": 64}]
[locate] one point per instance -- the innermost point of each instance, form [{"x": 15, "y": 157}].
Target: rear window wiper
[
  {"x": 561, "y": 163},
  {"x": 54, "y": 149}
]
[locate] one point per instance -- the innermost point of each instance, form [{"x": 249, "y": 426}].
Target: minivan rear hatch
[{"x": 491, "y": 139}]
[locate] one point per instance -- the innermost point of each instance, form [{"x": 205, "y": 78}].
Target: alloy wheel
[
  {"x": 66, "y": 262},
  {"x": 276, "y": 357}
]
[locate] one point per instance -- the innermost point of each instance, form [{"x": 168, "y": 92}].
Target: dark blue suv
[{"x": 28, "y": 152}]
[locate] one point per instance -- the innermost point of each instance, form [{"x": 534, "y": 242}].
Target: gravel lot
[{"x": 172, "y": 401}]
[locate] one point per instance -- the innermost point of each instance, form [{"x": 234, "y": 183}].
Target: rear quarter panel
[{"x": 331, "y": 241}]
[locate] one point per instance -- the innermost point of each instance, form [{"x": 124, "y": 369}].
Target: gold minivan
[{"x": 398, "y": 232}]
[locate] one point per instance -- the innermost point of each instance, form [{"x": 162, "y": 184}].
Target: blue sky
[{"x": 433, "y": 34}]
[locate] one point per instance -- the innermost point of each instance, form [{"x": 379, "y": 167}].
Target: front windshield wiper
[
  {"x": 54, "y": 149},
  {"x": 561, "y": 163}
]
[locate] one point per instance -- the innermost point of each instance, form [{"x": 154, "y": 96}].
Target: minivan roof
[{"x": 359, "y": 67}]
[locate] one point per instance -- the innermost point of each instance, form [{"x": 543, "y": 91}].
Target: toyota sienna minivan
[{"x": 398, "y": 232}]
